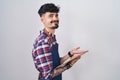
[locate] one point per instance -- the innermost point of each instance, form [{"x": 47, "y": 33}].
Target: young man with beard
[{"x": 45, "y": 48}]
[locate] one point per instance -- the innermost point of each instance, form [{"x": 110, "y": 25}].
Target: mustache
[{"x": 54, "y": 21}]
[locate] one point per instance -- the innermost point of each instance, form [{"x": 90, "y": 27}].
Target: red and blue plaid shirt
[{"x": 42, "y": 55}]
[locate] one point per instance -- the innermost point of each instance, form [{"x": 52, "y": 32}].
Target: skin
[{"x": 50, "y": 20}]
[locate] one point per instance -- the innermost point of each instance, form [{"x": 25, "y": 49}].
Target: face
[{"x": 50, "y": 20}]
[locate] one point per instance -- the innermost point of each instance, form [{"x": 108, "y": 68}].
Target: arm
[
  {"x": 43, "y": 61},
  {"x": 64, "y": 58},
  {"x": 68, "y": 61},
  {"x": 61, "y": 68},
  {"x": 72, "y": 53},
  {"x": 42, "y": 57},
  {"x": 66, "y": 66}
]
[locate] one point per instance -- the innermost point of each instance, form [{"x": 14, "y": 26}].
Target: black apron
[{"x": 56, "y": 61}]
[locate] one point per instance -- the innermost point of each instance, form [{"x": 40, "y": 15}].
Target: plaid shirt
[{"x": 42, "y": 55}]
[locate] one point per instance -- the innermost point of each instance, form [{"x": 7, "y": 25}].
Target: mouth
[{"x": 55, "y": 22}]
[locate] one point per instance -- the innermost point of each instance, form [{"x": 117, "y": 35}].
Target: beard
[{"x": 55, "y": 27}]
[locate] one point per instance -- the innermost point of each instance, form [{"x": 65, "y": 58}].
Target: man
[{"x": 45, "y": 48}]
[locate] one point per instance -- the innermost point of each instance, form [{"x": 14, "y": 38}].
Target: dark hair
[{"x": 48, "y": 7}]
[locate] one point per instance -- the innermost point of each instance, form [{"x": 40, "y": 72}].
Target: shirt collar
[{"x": 48, "y": 33}]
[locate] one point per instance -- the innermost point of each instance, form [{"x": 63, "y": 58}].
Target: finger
[
  {"x": 85, "y": 51},
  {"x": 81, "y": 52},
  {"x": 77, "y": 58},
  {"x": 74, "y": 61},
  {"x": 77, "y": 48}
]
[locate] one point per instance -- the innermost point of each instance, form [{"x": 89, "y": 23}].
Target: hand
[
  {"x": 74, "y": 60},
  {"x": 78, "y": 51}
]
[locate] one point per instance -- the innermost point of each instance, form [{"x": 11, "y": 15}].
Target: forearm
[
  {"x": 64, "y": 67},
  {"x": 57, "y": 71},
  {"x": 64, "y": 58}
]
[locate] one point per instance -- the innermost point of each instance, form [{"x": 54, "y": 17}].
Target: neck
[{"x": 50, "y": 30}]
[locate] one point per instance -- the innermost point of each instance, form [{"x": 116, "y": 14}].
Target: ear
[{"x": 41, "y": 18}]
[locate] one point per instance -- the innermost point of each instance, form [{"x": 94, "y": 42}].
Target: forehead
[{"x": 50, "y": 13}]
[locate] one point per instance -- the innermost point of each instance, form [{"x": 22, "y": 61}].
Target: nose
[{"x": 55, "y": 18}]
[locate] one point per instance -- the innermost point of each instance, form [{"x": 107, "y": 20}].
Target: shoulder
[{"x": 40, "y": 40}]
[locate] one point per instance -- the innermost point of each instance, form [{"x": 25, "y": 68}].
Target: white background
[{"x": 90, "y": 24}]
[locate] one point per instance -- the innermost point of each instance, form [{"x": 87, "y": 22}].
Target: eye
[
  {"x": 56, "y": 15},
  {"x": 51, "y": 15}
]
